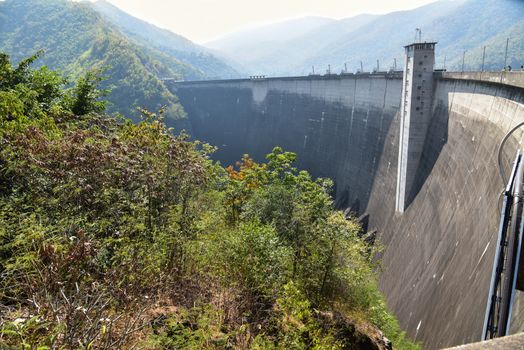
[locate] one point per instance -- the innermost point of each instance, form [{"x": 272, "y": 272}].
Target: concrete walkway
[
  {"x": 514, "y": 78},
  {"x": 512, "y": 342}
]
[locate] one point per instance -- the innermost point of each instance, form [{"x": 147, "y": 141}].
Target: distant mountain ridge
[
  {"x": 457, "y": 26},
  {"x": 249, "y": 47},
  {"x": 279, "y": 31}
]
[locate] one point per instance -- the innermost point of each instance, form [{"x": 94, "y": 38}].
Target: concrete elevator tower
[{"x": 415, "y": 114}]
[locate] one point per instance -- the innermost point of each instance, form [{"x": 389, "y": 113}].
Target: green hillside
[
  {"x": 167, "y": 42},
  {"x": 495, "y": 50},
  {"x": 456, "y": 26},
  {"x": 75, "y": 38}
]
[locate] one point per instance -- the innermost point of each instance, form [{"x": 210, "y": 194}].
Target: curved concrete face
[
  {"x": 336, "y": 126},
  {"x": 439, "y": 253}
]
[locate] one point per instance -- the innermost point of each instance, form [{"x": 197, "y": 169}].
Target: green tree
[{"x": 86, "y": 97}]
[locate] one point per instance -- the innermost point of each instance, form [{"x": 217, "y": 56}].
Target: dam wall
[
  {"x": 439, "y": 253},
  {"x": 336, "y": 124}
]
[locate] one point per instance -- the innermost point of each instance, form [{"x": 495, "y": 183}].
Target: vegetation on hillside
[
  {"x": 166, "y": 41},
  {"x": 75, "y": 38},
  {"x": 494, "y": 57},
  {"x": 122, "y": 235}
]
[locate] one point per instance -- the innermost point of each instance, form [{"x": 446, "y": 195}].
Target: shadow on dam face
[
  {"x": 331, "y": 139},
  {"x": 439, "y": 253},
  {"x": 334, "y": 139},
  {"x": 437, "y": 137}
]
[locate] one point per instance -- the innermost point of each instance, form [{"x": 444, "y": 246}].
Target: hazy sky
[{"x": 204, "y": 20}]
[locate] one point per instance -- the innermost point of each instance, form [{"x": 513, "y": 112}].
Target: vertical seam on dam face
[{"x": 438, "y": 253}]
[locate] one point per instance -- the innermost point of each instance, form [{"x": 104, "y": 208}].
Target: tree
[{"x": 86, "y": 96}]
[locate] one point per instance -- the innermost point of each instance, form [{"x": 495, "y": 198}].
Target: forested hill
[
  {"x": 76, "y": 38},
  {"x": 166, "y": 41}
]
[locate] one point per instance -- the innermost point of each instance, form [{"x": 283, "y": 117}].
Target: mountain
[
  {"x": 458, "y": 26},
  {"x": 279, "y": 31},
  {"x": 271, "y": 60},
  {"x": 480, "y": 23},
  {"x": 136, "y": 56},
  {"x": 495, "y": 49},
  {"x": 248, "y": 47},
  {"x": 75, "y": 38},
  {"x": 307, "y": 44},
  {"x": 166, "y": 41},
  {"x": 455, "y": 25}
]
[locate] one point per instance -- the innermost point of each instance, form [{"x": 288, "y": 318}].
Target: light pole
[
  {"x": 419, "y": 32},
  {"x": 483, "y": 58},
  {"x": 506, "y": 53}
]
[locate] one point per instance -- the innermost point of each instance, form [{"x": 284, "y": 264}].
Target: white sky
[{"x": 204, "y": 20}]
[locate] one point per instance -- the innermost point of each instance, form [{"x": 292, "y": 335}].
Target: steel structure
[{"x": 497, "y": 320}]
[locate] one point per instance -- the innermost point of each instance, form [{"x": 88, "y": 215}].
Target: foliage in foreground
[{"x": 114, "y": 234}]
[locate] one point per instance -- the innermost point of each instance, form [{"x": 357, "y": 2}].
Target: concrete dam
[{"x": 440, "y": 243}]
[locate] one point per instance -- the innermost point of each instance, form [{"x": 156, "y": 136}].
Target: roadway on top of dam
[
  {"x": 513, "y": 78},
  {"x": 390, "y": 75}
]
